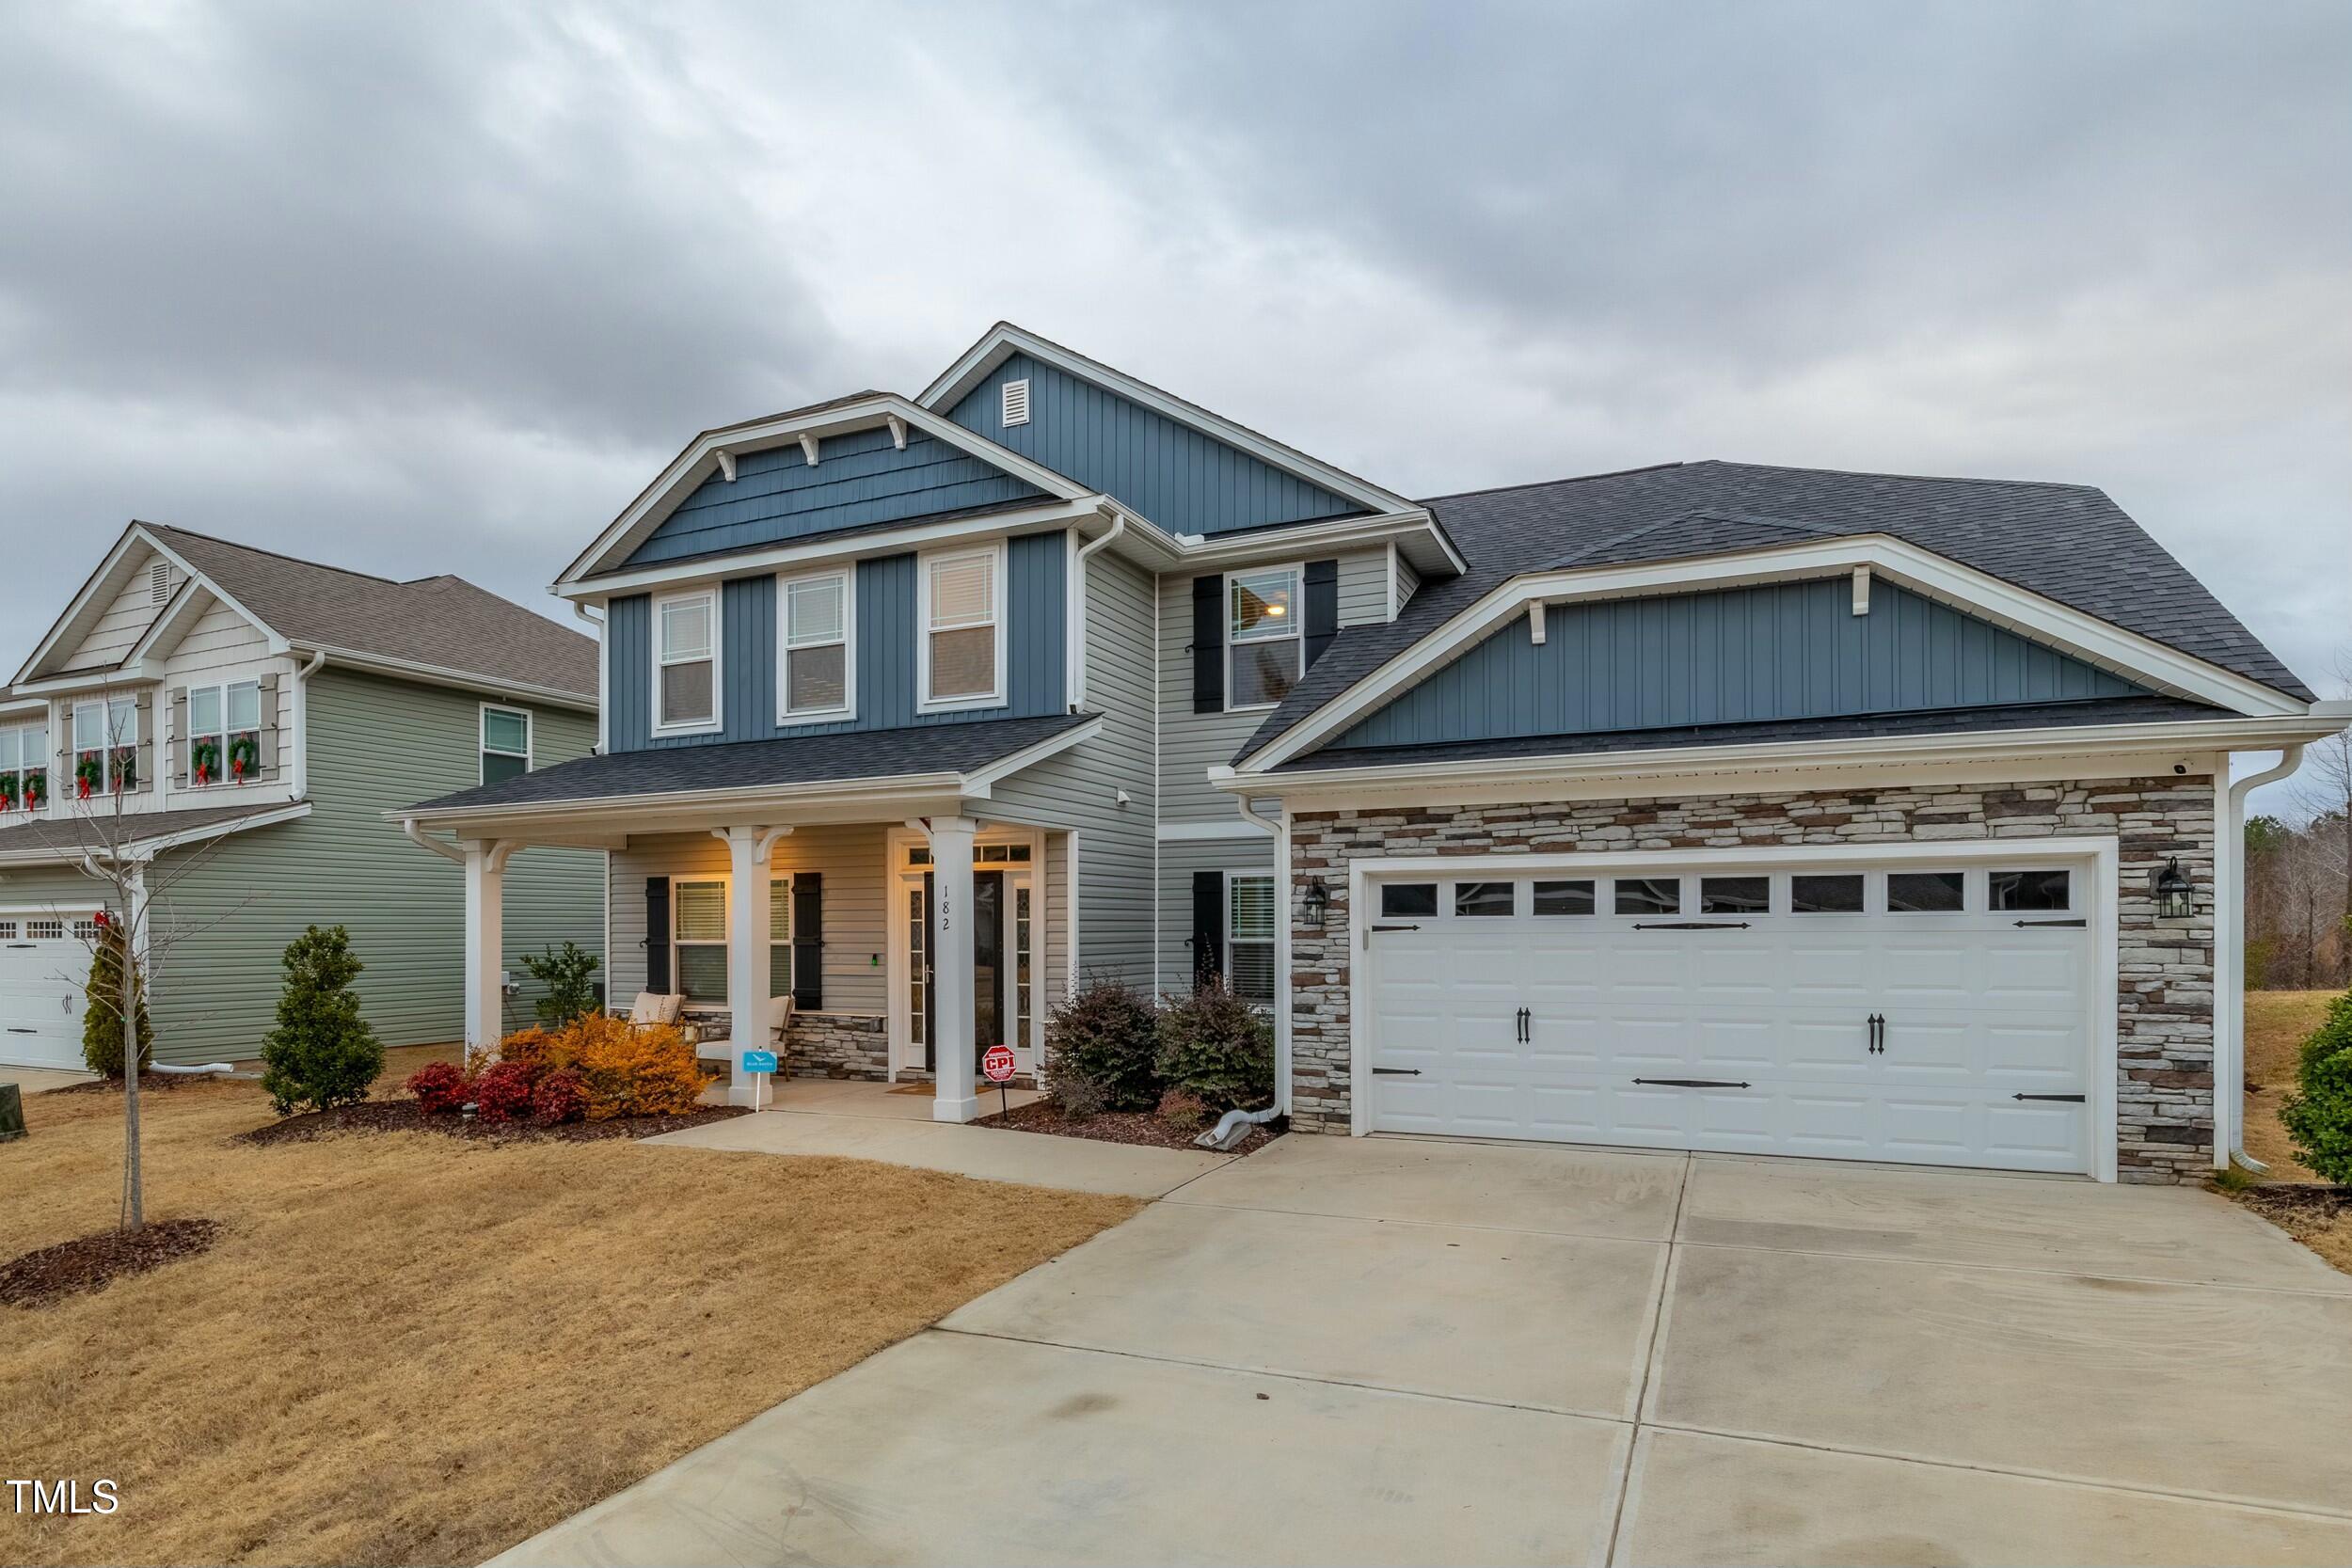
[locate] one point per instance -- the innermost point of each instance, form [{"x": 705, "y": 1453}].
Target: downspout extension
[
  {"x": 2234, "y": 918},
  {"x": 1234, "y": 1126}
]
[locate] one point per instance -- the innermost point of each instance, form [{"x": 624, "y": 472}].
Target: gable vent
[
  {"x": 158, "y": 582},
  {"x": 1017, "y": 402}
]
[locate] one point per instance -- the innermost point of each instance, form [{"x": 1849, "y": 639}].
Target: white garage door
[
  {"x": 1915, "y": 1012},
  {"x": 42, "y": 965}
]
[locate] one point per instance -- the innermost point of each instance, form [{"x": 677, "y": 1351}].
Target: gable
[
  {"x": 1776, "y": 651},
  {"x": 1184, "y": 480},
  {"x": 109, "y": 624},
  {"x": 862, "y": 480}
]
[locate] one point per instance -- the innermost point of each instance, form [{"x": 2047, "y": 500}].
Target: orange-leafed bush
[
  {"x": 631, "y": 1069},
  {"x": 531, "y": 1050}
]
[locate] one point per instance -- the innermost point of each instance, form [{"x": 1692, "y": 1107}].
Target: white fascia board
[
  {"x": 699, "y": 461},
  {"x": 1414, "y": 527},
  {"x": 277, "y": 644},
  {"x": 881, "y": 798},
  {"x": 1005, "y": 339},
  {"x": 2099, "y": 642},
  {"x": 107, "y": 679},
  {"x": 811, "y": 554},
  {"x": 107, "y": 566},
  {"x": 463, "y": 680},
  {"x": 1780, "y": 766}
]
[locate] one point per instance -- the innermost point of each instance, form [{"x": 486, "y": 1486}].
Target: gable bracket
[
  {"x": 726, "y": 465},
  {"x": 808, "y": 446},
  {"x": 898, "y": 431}
]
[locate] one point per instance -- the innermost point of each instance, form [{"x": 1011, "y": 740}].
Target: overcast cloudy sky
[{"x": 426, "y": 288}]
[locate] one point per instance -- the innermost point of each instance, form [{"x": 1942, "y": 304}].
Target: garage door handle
[
  {"x": 1396, "y": 1072},
  {"x": 1690, "y": 925},
  {"x": 14, "y": 1030},
  {"x": 2069, "y": 1099},
  {"x": 2077, "y": 924},
  {"x": 1693, "y": 1083},
  {"x": 1396, "y": 928}
]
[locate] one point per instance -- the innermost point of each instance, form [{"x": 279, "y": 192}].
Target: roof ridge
[
  {"x": 274, "y": 555},
  {"x": 1882, "y": 473},
  {"x": 1541, "y": 483}
]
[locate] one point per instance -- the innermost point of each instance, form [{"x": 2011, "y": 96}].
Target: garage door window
[
  {"x": 1649, "y": 896},
  {"x": 1564, "y": 898},
  {"x": 2032, "y": 889},
  {"x": 1923, "y": 892},
  {"x": 1825, "y": 895},
  {"x": 1735, "y": 895},
  {"x": 1485, "y": 899},
  {"x": 1402, "y": 900}
]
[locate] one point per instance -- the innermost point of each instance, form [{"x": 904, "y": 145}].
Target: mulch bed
[
  {"x": 2307, "y": 1201},
  {"x": 407, "y": 1115},
  {"x": 92, "y": 1263},
  {"x": 150, "y": 1083},
  {"x": 1120, "y": 1127}
]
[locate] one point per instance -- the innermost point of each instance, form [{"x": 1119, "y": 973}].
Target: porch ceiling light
[{"x": 2172, "y": 891}]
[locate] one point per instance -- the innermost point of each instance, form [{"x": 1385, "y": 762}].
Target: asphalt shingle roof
[
  {"x": 95, "y": 827},
  {"x": 954, "y": 748},
  {"x": 441, "y": 620},
  {"x": 2066, "y": 541}
]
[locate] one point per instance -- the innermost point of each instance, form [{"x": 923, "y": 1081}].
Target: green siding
[{"x": 375, "y": 745}]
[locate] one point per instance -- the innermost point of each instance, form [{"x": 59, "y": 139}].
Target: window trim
[
  {"x": 846, "y": 574},
  {"x": 482, "y": 725},
  {"x": 1296, "y": 634},
  {"x": 1271, "y": 940},
  {"x": 226, "y": 776},
  {"x": 46, "y": 766},
  {"x": 110, "y": 746},
  {"x": 726, "y": 928},
  {"x": 715, "y": 593},
  {"x": 999, "y": 608}
]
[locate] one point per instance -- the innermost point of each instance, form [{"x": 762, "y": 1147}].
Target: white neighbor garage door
[
  {"x": 42, "y": 966},
  {"x": 1916, "y": 1011}
]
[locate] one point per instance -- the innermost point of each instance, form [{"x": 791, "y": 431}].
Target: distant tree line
[{"x": 2298, "y": 881}]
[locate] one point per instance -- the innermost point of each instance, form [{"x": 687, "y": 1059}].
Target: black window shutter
[
  {"x": 657, "y": 935},
  {"x": 1208, "y": 644},
  {"x": 1323, "y": 607},
  {"x": 1208, "y": 926},
  {"x": 808, "y": 941}
]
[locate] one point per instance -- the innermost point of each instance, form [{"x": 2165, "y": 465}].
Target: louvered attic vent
[
  {"x": 1017, "y": 402},
  {"x": 158, "y": 582}
]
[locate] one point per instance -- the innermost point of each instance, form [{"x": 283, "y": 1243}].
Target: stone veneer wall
[
  {"x": 819, "y": 1045},
  {"x": 2164, "y": 1090}
]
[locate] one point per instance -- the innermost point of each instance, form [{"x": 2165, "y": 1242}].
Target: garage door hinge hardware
[
  {"x": 1526, "y": 1022},
  {"x": 1690, "y": 925},
  {"x": 2076, "y": 923},
  {"x": 2069, "y": 1099},
  {"x": 14, "y": 1030},
  {"x": 1396, "y": 1072},
  {"x": 1396, "y": 928},
  {"x": 1878, "y": 1033},
  {"x": 1693, "y": 1083}
]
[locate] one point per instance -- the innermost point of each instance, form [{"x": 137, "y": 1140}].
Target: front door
[{"x": 988, "y": 964}]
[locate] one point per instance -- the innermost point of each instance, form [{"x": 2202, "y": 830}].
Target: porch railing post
[
  {"x": 485, "y": 944},
  {"x": 747, "y": 954}
]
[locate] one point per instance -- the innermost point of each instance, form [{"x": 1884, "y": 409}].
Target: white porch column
[
  {"x": 486, "y": 943},
  {"x": 747, "y": 952},
  {"x": 953, "y": 1098}
]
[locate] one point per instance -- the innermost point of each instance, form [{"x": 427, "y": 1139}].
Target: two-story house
[
  {"x": 1707, "y": 806},
  {"x": 234, "y": 724}
]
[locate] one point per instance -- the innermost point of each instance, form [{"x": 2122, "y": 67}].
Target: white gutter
[
  {"x": 302, "y": 725},
  {"x": 2228, "y": 961},
  {"x": 1074, "y": 591},
  {"x": 1281, "y": 831},
  {"x": 424, "y": 840}
]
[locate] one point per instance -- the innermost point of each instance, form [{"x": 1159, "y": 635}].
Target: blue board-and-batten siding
[
  {"x": 1182, "y": 479},
  {"x": 1036, "y": 615},
  {"x": 860, "y": 479},
  {"x": 1783, "y": 651}
]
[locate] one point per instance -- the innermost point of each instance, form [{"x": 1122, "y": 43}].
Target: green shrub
[
  {"x": 2318, "y": 1116},
  {"x": 569, "y": 973},
  {"x": 102, "y": 1008},
  {"x": 321, "y": 1053},
  {"x": 1103, "y": 1034},
  {"x": 1217, "y": 1048}
]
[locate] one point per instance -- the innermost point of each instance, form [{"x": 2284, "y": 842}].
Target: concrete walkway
[
  {"x": 864, "y": 1121},
  {"x": 1404, "y": 1350},
  {"x": 41, "y": 1080}
]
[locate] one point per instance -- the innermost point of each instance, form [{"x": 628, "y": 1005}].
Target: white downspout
[
  {"x": 2228, "y": 961},
  {"x": 603, "y": 705},
  {"x": 302, "y": 725},
  {"x": 1232, "y": 1127},
  {"x": 1075, "y": 622},
  {"x": 424, "y": 840}
]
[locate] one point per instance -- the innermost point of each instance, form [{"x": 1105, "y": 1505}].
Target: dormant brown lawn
[{"x": 410, "y": 1349}]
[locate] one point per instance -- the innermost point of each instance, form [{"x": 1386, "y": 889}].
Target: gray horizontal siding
[
  {"x": 1179, "y": 859},
  {"x": 1181, "y": 479},
  {"x": 860, "y": 479},
  {"x": 1036, "y": 569},
  {"x": 1791, "y": 650}
]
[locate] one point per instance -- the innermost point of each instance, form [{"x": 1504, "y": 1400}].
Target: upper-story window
[
  {"x": 686, "y": 662},
  {"x": 505, "y": 743},
  {"x": 813, "y": 641},
  {"x": 1261, "y": 636},
  {"x": 105, "y": 745},
  {"x": 23, "y": 766},
  {"x": 963, "y": 651},
  {"x": 224, "y": 732}
]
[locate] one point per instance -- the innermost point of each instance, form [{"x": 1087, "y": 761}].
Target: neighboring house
[
  {"x": 242, "y": 723},
  {"x": 1707, "y": 806}
]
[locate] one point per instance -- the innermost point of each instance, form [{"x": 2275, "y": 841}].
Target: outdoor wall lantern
[
  {"x": 2171, "y": 889},
  {"x": 1315, "y": 902}
]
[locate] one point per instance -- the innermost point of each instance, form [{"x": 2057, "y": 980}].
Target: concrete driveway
[{"x": 1401, "y": 1350}]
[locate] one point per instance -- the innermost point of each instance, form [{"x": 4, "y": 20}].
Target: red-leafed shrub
[
  {"x": 535, "y": 1051},
  {"x": 439, "y": 1086},
  {"x": 501, "y": 1091},
  {"x": 561, "y": 1097}
]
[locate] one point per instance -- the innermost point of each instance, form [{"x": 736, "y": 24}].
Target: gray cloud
[{"x": 420, "y": 289}]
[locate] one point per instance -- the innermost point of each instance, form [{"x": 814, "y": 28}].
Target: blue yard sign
[{"x": 759, "y": 1061}]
